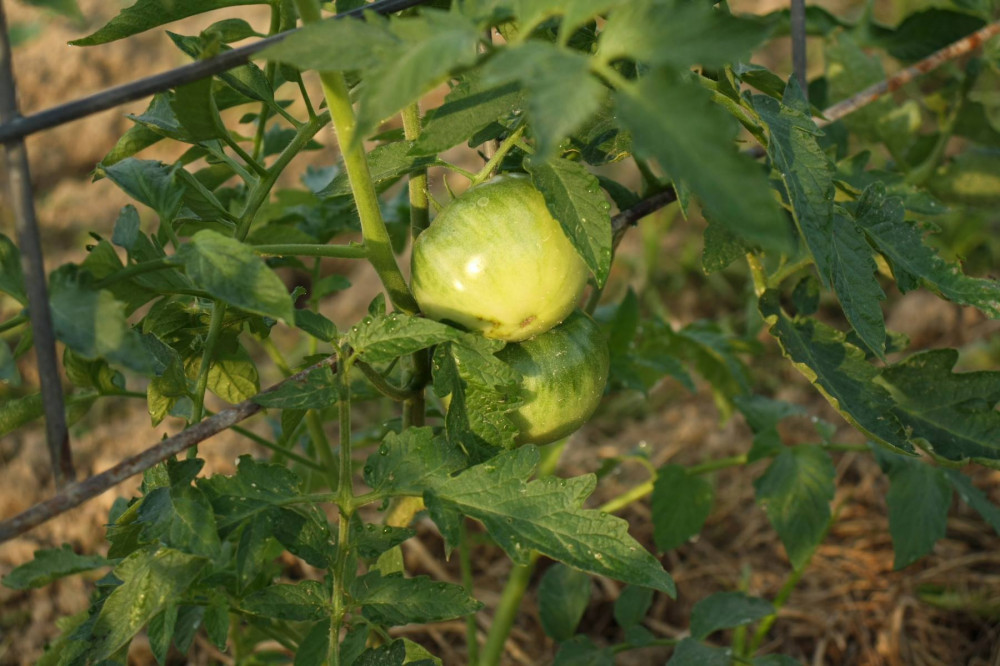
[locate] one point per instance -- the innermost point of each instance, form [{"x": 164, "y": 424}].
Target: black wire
[{"x": 107, "y": 99}]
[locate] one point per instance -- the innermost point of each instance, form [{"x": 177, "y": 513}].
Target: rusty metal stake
[{"x": 22, "y": 202}]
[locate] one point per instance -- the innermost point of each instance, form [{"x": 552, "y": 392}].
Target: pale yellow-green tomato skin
[{"x": 494, "y": 260}]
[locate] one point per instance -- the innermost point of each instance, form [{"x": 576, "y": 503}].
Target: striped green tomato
[{"x": 495, "y": 261}]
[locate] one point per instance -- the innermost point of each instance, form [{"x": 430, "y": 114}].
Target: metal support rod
[
  {"x": 798, "y": 26},
  {"x": 150, "y": 85},
  {"x": 29, "y": 239}
]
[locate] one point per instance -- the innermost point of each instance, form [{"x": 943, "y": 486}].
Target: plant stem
[
  {"x": 314, "y": 424},
  {"x": 201, "y": 385},
  {"x": 419, "y": 215},
  {"x": 758, "y": 274},
  {"x": 384, "y": 386},
  {"x": 465, "y": 559},
  {"x": 13, "y": 322},
  {"x": 271, "y": 68},
  {"x": 254, "y": 165},
  {"x": 352, "y": 251},
  {"x": 345, "y": 500},
  {"x": 505, "y": 147},
  {"x": 355, "y": 162}
]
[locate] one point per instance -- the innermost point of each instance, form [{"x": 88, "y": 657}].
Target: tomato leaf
[
  {"x": 230, "y": 271},
  {"x": 147, "y": 14},
  {"x": 913, "y": 262},
  {"x": 543, "y": 515},
  {"x": 581, "y": 651},
  {"x": 954, "y": 413},
  {"x": 469, "y": 108},
  {"x": 11, "y": 278},
  {"x": 385, "y": 337},
  {"x": 675, "y": 122},
  {"x": 795, "y": 492},
  {"x": 689, "y": 652},
  {"x": 681, "y": 504},
  {"x": 394, "y": 600},
  {"x": 387, "y": 163},
  {"x": 919, "y": 497},
  {"x": 632, "y": 605},
  {"x": 341, "y": 45},
  {"x": 304, "y": 601},
  {"x": 411, "y": 461},
  {"x": 51, "y": 564},
  {"x": 839, "y": 370},
  {"x": 563, "y": 595},
  {"x": 724, "y": 610},
  {"x": 372, "y": 540},
  {"x": 974, "y": 497},
  {"x": 924, "y": 32},
  {"x": 574, "y": 198}
]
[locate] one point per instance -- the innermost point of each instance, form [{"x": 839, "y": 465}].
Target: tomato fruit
[
  {"x": 565, "y": 371},
  {"x": 494, "y": 260}
]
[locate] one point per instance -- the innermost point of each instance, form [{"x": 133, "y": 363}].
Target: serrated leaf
[
  {"x": 912, "y": 261},
  {"x": 315, "y": 325},
  {"x": 248, "y": 80},
  {"x": 161, "y": 632},
  {"x": 763, "y": 415},
  {"x": 11, "y": 278},
  {"x": 93, "y": 323},
  {"x": 468, "y": 108},
  {"x": 722, "y": 247},
  {"x": 316, "y": 391},
  {"x": 217, "y": 622},
  {"x": 383, "y": 338},
  {"x": 840, "y": 372},
  {"x": 919, "y": 497},
  {"x": 433, "y": 44},
  {"x": 372, "y": 540},
  {"x": 411, "y": 461},
  {"x": 795, "y": 492},
  {"x": 974, "y": 497},
  {"x": 678, "y": 34},
  {"x": 149, "y": 182},
  {"x": 147, "y": 14},
  {"x": 341, "y": 45},
  {"x": 573, "y": 196},
  {"x": 151, "y": 579},
  {"x": 924, "y": 32},
  {"x": 387, "y": 163},
  {"x": 314, "y": 648},
  {"x": 253, "y": 490},
  {"x": 51, "y": 564},
  {"x": 231, "y": 272},
  {"x": 632, "y": 605},
  {"x": 692, "y": 139},
  {"x": 305, "y": 601},
  {"x": 724, "y": 610},
  {"x": 180, "y": 517},
  {"x": 232, "y": 375},
  {"x": 690, "y": 652},
  {"x": 545, "y": 515},
  {"x": 849, "y": 70},
  {"x": 561, "y": 92},
  {"x": 194, "y": 107},
  {"x": 681, "y": 504},
  {"x": 581, "y": 651},
  {"x": 953, "y": 413},
  {"x": 563, "y": 595},
  {"x": 394, "y": 600}
]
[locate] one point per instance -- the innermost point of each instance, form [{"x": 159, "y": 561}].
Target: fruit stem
[
  {"x": 505, "y": 147},
  {"x": 356, "y": 164}
]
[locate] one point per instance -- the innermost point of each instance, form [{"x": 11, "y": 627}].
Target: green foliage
[
  {"x": 563, "y": 595},
  {"x": 724, "y": 610}
]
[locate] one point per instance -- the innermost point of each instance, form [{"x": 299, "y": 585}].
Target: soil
[{"x": 850, "y": 607}]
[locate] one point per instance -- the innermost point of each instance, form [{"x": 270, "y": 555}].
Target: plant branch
[
  {"x": 419, "y": 215},
  {"x": 352, "y": 251},
  {"x": 505, "y": 147},
  {"x": 78, "y": 493}
]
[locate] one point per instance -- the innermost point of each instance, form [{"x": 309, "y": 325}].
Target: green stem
[
  {"x": 271, "y": 68},
  {"x": 415, "y": 407},
  {"x": 758, "y": 274},
  {"x": 314, "y": 424},
  {"x": 262, "y": 190},
  {"x": 788, "y": 269},
  {"x": 201, "y": 385},
  {"x": 419, "y": 214},
  {"x": 13, "y": 322},
  {"x": 352, "y": 251},
  {"x": 465, "y": 559},
  {"x": 384, "y": 386},
  {"x": 345, "y": 500},
  {"x": 506, "y": 613},
  {"x": 254, "y": 165},
  {"x": 355, "y": 162},
  {"x": 276, "y": 356},
  {"x": 505, "y": 147}
]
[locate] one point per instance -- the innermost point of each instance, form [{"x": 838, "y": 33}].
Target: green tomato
[
  {"x": 565, "y": 371},
  {"x": 495, "y": 261}
]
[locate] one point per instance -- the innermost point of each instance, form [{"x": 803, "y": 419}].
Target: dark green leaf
[
  {"x": 632, "y": 605},
  {"x": 724, "y": 610},
  {"x": 65, "y": 7},
  {"x": 574, "y": 198},
  {"x": 581, "y": 651},
  {"x": 795, "y": 492},
  {"x": 563, "y": 595},
  {"x": 545, "y": 515},
  {"x": 8, "y": 367},
  {"x": 253, "y": 490},
  {"x": 974, "y": 497},
  {"x": 468, "y": 108},
  {"x": 922, "y": 33},
  {"x": 387, "y": 162},
  {"x": 912, "y": 261},
  {"x": 681, "y": 504},
  {"x": 51, "y": 564},
  {"x": 149, "y": 182},
  {"x": 372, "y": 540},
  {"x": 161, "y": 632},
  {"x": 919, "y": 497},
  {"x": 217, "y": 622},
  {"x": 411, "y": 461},
  {"x": 722, "y": 247},
  {"x": 848, "y": 71},
  {"x": 316, "y": 391},
  {"x": 763, "y": 415},
  {"x": 678, "y": 34},
  {"x": 561, "y": 92},
  {"x": 840, "y": 372},
  {"x": 394, "y": 600},
  {"x": 151, "y": 579},
  {"x": 953, "y": 414},
  {"x": 147, "y": 14},
  {"x": 383, "y": 338},
  {"x": 248, "y": 80},
  {"x": 304, "y": 601},
  {"x": 969, "y": 178},
  {"x": 690, "y": 652},
  {"x": 231, "y": 272},
  {"x": 314, "y": 648},
  {"x": 180, "y": 517},
  {"x": 316, "y": 325},
  {"x": 194, "y": 107},
  {"x": 347, "y": 44},
  {"x": 11, "y": 278},
  {"x": 692, "y": 139}
]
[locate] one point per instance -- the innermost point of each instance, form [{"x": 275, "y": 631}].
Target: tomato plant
[
  {"x": 555, "y": 114},
  {"x": 495, "y": 260}
]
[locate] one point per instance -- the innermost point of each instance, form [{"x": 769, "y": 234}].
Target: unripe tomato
[
  {"x": 565, "y": 371},
  {"x": 494, "y": 260}
]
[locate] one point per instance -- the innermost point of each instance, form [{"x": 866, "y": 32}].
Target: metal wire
[
  {"x": 19, "y": 127},
  {"x": 30, "y": 241}
]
